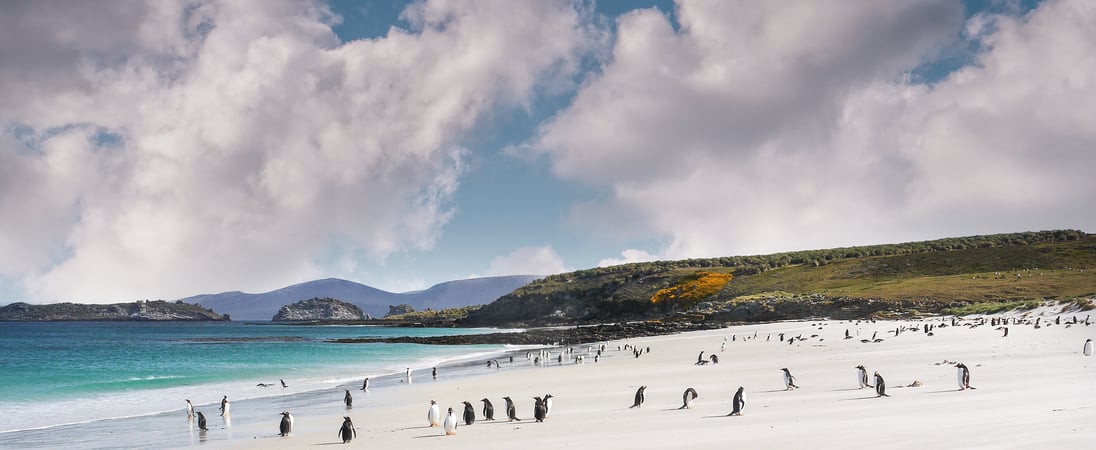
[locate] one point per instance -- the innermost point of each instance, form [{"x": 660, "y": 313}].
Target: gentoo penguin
[
  {"x": 469, "y": 414},
  {"x": 488, "y": 409},
  {"x": 286, "y": 426},
  {"x": 348, "y": 399},
  {"x": 1088, "y": 351},
  {"x": 715, "y": 359},
  {"x": 548, "y": 405},
  {"x": 739, "y": 402},
  {"x": 201, "y": 421},
  {"x": 639, "y": 397},
  {"x": 365, "y": 384},
  {"x": 963, "y": 376},
  {"x": 225, "y": 406},
  {"x": 435, "y": 373},
  {"x": 433, "y": 416},
  {"x": 862, "y": 376},
  {"x": 511, "y": 411},
  {"x": 347, "y": 431},
  {"x": 789, "y": 380},
  {"x": 283, "y": 383},
  {"x": 408, "y": 375},
  {"x": 687, "y": 398},
  {"x": 450, "y": 423},
  {"x": 539, "y": 410},
  {"x": 190, "y": 409},
  {"x": 1006, "y": 332},
  {"x": 700, "y": 358},
  {"x": 880, "y": 386}
]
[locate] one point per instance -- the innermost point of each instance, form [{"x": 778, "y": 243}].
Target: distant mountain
[{"x": 474, "y": 291}]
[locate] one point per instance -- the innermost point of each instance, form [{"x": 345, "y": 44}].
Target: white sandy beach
[{"x": 1035, "y": 388}]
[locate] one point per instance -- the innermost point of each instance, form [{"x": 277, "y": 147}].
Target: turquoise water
[{"x": 77, "y": 372}]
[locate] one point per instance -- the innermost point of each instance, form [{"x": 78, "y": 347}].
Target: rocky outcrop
[
  {"x": 399, "y": 310},
  {"x": 320, "y": 309},
  {"x": 158, "y": 310}
]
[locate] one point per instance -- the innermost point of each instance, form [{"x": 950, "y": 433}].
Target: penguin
[
  {"x": 434, "y": 414},
  {"x": 450, "y": 423},
  {"x": 739, "y": 402},
  {"x": 365, "y": 384},
  {"x": 347, "y": 431},
  {"x": 639, "y": 397},
  {"x": 1006, "y": 332},
  {"x": 880, "y": 386},
  {"x": 687, "y": 398},
  {"x": 700, "y": 358},
  {"x": 539, "y": 410},
  {"x": 469, "y": 413},
  {"x": 348, "y": 399},
  {"x": 488, "y": 409},
  {"x": 283, "y": 384},
  {"x": 511, "y": 411},
  {"x": 225, "y": 406},
  {"x": 435, "y": 373},
  {"x": 201, "y": 421},
  {"x": 715, "y": 359},
  {"x": 408, "y": 375},
  {"x": 286, "y": 426},
  {"x": 862, "y": 376},
  {"x": 1088, "y": 350},
  {"x": 963, "y": 376},
  {"x": 789, "y": 380},
  {"x": 548, "y": 405},
  {"x": 189, "y": 410}
]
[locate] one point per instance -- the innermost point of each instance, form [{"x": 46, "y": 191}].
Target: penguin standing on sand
[
  {"x": 450, "y": 424},
  {"x": 880, "y": 386},
  {"x": 201, "y": 421},
  {"x": 739, "y": 402},
  {"x": 789, "y": 380},
  {"x": 225, "y": 406},
  {"x": 862, "y": 376},
  {"x": 286, "y": 426},
  {"x": 347, "y": 431},
  {"x": 639, "y": 397},
  {"x": 548, "y": 405},
  {"x": 700, "y": 358},
  {"x": 488, "y": 409},
  {"x": 408, "y": 373},
  {"x": 963, "y": 377},
  {"x": 1088, "y": 351},
  {"x": 539, "y": 410},
  {"x": 469, "y": 414},
  {"x": 189, "y": 410},
  {"x": 365, "y": 384},
  {"x": 433, "y": 416},
  {"x": 687, "y": 398},
  {"x": 511, "y": 411},
  {"x": 348, "y": 399}
]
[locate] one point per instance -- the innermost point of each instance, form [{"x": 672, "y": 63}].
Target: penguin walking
[
  {"x": 739, "y": 402},
  {"x": 539, "y": 410},
  {"x": 789, "y": 380},
  {"x": 862, "y": 376},
  {"x": 488, "y": 409},
  {"x": 283, "y": 384},
  {"x": 225, "y": 406},
  {"x": 1088, "y": 350},
  {"x": 469, "y": 414},
  {"x": 963, "y": 376},
  {"x": 348, "y": 399},
  {"x": 201, "y": 421},
  {"x": 880, "y": 386},
  {"x": 548, "y": 405},
  {"x": 347, "y": 431},
  {"x": 639, "y": 397},
  {"x": 433, "y": 416},
  {"x": 511, "y": 411},
  {"x": 286, "y": 426},
  {"x": 687, "y": 398},
  {"x": 189, "y": 410},
  {"x": 700, "y": 358},
  {"x": 450, "y": 423},
  {"x": 365, "y": 384}
]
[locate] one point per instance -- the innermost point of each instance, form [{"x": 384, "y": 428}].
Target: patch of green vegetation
[
  {"x": 430, "y": 315},
  {"x": 992, "y": 307}
]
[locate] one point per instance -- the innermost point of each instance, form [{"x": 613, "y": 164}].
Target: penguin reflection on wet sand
[
  {"x": 739, "y": 402},
  {"x": 347, "y": 431},
  {"x": 880, "y": 386},
  {"x": 488, "y": 409},
  {"x": 639, "y": 397},
  {"x": 789, "y": 380},
  {"x": 687, "y": 398}
]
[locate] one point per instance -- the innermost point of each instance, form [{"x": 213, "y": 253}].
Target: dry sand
[{"x": 1034, "y": 389}]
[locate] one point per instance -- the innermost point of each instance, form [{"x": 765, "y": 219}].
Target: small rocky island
[
  {"x": 157, "y": 310},
  {"x": 326, "y": 309}
]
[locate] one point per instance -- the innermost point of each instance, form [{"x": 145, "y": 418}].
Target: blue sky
[{"x": 167, "y": 150}]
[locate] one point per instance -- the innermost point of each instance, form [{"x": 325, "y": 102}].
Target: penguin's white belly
[
  {"x": 450, "y": 424},
  {"x": 1088, "y": 348},
  {"x": 960, "y": 378},
  {"x": 433, "y": 417}
]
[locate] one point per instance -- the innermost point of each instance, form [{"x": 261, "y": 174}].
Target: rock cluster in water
[{"x": 320, "y": 309}]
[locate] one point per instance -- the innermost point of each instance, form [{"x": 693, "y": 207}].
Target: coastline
[{"x": 1034, "y": 388}]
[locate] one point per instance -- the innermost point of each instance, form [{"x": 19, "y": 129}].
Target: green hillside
[{"x": 908, "y": 278}]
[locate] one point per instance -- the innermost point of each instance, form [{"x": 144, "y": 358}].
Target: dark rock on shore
[{"x": 550, "y": 336}]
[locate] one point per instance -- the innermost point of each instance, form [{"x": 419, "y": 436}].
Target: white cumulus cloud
[
  {"x": 542, "y": 260},
  {"x": 628, "y": 256}
]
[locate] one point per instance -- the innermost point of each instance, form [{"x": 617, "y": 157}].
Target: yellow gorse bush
[{"x": 692, "y": 289}]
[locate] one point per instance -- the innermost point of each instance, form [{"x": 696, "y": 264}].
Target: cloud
[
  {"x": 761, "y": 127},
  {"x": 528, "y": 261},
  {"x": 167, "y": 148},
  {"x": 629, "y": 256}
]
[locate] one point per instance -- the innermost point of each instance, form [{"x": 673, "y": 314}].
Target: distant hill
[
  {"x": 141, "y": 311},
  {"x": 373, "y": 301}
]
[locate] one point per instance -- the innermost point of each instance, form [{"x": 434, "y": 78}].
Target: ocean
[{"x": 78, "y": 384}]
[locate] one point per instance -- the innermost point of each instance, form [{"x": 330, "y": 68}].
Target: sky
[{"x": 157, "y": 150}]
